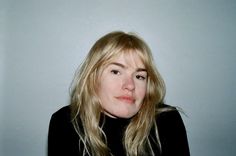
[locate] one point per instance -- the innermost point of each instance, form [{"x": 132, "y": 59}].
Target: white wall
[
  {"x": 193, "y": 43},
  {"x": 2, "y": 67}
]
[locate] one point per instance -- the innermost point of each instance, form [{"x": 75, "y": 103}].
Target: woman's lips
[{"x": 126, "y": 99}]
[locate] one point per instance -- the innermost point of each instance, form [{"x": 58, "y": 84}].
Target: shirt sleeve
[{"x": 172, "y": 134}]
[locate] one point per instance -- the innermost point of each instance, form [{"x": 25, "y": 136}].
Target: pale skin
[{"x": 123, "y": 86}]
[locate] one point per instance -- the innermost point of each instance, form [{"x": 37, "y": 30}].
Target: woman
[{"x": 116, "y": 106}]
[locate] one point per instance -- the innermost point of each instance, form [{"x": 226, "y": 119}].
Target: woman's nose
[{"x": 129, "y": 83}]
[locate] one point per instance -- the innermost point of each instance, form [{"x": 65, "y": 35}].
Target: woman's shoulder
[
  {"x": 167, "y": 110},
  {"x": 62, "y": 137},
  {"x": 61, "y": 123},
  {"x": 62, "y": 114},
  {"x": 172, "y": 131},
  {"x": 168, "y": 116},
  {"x": 164, "y": 106}
]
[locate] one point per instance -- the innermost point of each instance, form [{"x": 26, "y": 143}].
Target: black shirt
[{"x": 63, "y": 140}]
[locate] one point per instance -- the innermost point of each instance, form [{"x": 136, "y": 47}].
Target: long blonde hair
[{"x": 85, "y": 104}]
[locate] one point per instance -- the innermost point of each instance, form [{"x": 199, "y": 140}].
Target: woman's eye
[
  {"x": 140, "y": 77},
  {"x": 115, "y": 72}
]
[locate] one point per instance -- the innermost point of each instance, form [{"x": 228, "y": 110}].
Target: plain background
[{"x": 42, "y": 42}]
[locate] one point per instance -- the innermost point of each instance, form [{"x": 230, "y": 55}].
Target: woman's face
[{"x": 123, "y": 86}]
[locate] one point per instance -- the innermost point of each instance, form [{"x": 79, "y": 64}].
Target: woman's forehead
[{"x": 131, "y": 59}]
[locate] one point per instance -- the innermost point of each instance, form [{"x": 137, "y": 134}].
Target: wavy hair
[{"x": 85, "y": 103}]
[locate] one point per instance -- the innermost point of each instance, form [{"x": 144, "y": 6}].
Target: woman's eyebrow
[
  {"x": 123, "y": 66},
  {"x": 141, "y": 70},
  {"x": 118, "y": 64}
]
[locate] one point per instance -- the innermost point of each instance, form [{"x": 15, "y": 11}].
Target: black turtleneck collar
[{"x": 114, "y": 129}]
